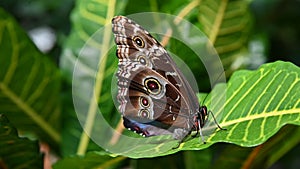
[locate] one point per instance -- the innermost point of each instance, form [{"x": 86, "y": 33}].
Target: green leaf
[
  {"x": 16, "y": 152},
  {"x": 89, "y": 161},
  {"x": 262, "y": 156},
  {"x": 87, "y": 18},
  {"x": 232, "y": 156},
  {"x": 227, "y": 25},
  {"x": 261, "y": 102},
  {"x": 275, "y": 148},
  {"x": 198, "y": 159},
  {"x": 86, "y": 50},
  {"x": 29, "y": 84},
  {"x": 258, "y": 104},
  {"x": 174, "y": 161}
]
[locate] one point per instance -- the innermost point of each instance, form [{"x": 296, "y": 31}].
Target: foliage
[
  {"x": 260, "y": 108},
  {"x": 30, "y": 84},
  {"x": 17, "y": 152}
]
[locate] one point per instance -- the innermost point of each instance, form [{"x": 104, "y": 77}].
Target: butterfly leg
[
  {"x": 210, "y": 112},
  {"x": 200, "y": 130}
]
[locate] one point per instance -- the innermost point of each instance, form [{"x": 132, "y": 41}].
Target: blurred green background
[
  {"x": 275, "y": 20},
  {"x": 275, "y": 25}
]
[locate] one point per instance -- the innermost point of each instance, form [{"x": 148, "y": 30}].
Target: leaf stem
[
  {"x": 218, "y": 21},
  {"x": 84, "y": 140}
]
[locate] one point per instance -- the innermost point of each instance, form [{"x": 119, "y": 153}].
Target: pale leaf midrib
[
  {"x": 84, "y": 140},
  {"x": 218, "y": 21},
  {"x": 261, "y": 115}
]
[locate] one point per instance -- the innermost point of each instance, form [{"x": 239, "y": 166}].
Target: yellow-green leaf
[
  {"x": 258, "y": 103},
  {"x": 227, "y": 24}
]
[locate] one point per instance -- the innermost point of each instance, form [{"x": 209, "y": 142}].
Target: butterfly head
[{"x": 200, "y": 117}]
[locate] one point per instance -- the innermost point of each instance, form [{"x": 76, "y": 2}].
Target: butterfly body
[{"x": 154, "y": 97}]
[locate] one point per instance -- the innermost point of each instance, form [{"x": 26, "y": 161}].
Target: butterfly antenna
[
  {"x": 210, "y": 112},
  {"x": 213, "y": 85},
  {"x": 204, "y": 99}
]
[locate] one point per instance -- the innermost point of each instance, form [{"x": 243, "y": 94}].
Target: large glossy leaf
[
  {"x": 227, "y": 24},
  {"x": 29, "y": 84},
  {"x": 88, "y": 17},
  {"x": 258, "y": 104},
  {"x": 87, "y": 61},
  {"x": 16, "y": 152}
]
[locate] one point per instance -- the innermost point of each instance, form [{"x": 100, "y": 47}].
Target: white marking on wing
[
  {"x": 178, "y": 97},
  {"x": 171, "y": 73},
  {"x": 178, "y": 84}
]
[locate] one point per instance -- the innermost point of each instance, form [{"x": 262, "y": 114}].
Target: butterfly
[{"x": 154, "y": 96}]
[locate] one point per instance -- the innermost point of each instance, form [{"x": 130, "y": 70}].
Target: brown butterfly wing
[{"x": 151, "y": 89}]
